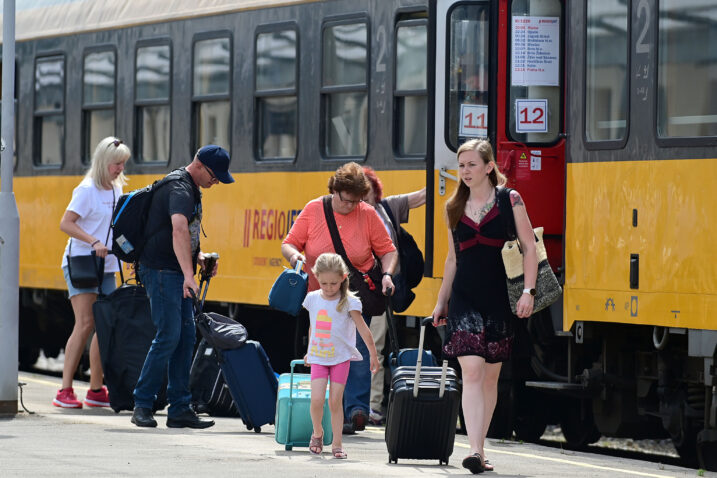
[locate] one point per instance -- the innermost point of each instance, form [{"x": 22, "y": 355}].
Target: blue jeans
[
  {"x": 171, "y": 352},
  {"x": 358, "y": 385}
]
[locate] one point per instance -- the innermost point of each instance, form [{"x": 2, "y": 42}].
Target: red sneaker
[
  {"x": 97, "y": 399},
  {"x": 66, "y": 398}
]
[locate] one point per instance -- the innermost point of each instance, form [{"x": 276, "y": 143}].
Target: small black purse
[{"x": 85, "y": 271}]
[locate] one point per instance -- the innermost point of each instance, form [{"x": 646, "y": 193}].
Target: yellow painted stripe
[
  {"x": 380, "y": 431},
  {"x": 39, "y": 381}
]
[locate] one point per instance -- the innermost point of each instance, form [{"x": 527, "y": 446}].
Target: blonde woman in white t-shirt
[
  {"x": 335, "y": 314},
  {"x": 87, "y": 222}
]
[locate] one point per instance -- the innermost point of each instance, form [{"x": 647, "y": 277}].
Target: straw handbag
[{"x": 547, "y": 289}]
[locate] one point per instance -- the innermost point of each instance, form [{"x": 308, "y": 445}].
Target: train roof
[{"x": 49, "y": 18}]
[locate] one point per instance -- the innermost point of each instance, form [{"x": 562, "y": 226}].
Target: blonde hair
[
  {"x": 331, "y": 262},
  {"x": 110, "y": 150},
  {"x": 457, "y": 202}
]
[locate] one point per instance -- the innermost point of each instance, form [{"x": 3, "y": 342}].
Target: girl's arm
[
  {"x": 449, "y": 272},
  {"x": 524, "y": 308},
  {"x": 308, "y": 347},
  {"x": 365, "y": 333}
]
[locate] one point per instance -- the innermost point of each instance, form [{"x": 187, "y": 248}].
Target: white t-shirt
[
  {"x": 94, "y": 206},
  {"x": 333, "y": 334}
]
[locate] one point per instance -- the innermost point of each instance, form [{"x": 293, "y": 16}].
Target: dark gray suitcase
[{"x": 422, "y": 411}]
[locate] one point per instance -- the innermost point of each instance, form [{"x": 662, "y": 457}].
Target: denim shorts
[{"x": 109, "y": 283}]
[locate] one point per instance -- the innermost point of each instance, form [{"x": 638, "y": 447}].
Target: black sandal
[{"x": 474, "y": 463}]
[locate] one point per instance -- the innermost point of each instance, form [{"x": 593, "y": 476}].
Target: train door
[{"x": 499, "y": 75}]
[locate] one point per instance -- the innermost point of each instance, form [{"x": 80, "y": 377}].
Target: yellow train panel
[
  {"x": 244, "y": 222},
  {"x": 676, "y": 220}
]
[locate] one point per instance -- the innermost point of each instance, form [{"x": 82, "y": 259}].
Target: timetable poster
[{"x": 535, "y": 51}]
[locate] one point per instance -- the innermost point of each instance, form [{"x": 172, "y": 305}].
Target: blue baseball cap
[{"x": 217, "y": 159}]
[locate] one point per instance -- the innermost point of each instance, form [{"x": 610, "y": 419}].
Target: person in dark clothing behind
[{"x": 167, "y": 267}]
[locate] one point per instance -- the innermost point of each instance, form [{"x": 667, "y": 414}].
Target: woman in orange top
[{"x": 363, "y": 235}]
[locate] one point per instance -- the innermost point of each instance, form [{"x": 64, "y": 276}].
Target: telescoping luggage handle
[
  {"x": 419, "y": 362},
  {"x": 291, "y": 395},
  {"x": 205, "y": 276}
]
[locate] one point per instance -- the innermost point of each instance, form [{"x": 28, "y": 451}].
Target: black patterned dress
[{"x": 480, "y": 321}]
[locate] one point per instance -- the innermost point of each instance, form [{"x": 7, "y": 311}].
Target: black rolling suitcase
[
  {"x": 210, "y": 393},
  {"x": 422, "y": 410},
  {"x": 123, "y": 323}
]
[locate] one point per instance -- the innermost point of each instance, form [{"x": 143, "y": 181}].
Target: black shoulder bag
[
  {"x": 366, "y": 285},
  {"x": 86, "y": 271}
]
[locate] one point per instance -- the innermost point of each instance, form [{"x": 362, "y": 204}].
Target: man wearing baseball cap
[{"x": 167, "y": 266}]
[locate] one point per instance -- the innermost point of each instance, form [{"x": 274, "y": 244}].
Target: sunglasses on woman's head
[{"x": 116, "y": 142}]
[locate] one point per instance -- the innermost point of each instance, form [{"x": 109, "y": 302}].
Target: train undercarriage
[{"x": 628, "y": 381}]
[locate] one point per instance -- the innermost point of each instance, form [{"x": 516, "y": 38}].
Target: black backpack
[
  {"x": 129, "y": 220},
  {"x": 412, "y": 265}
]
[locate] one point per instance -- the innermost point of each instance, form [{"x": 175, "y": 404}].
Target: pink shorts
[{"x": 336, "y": 373}]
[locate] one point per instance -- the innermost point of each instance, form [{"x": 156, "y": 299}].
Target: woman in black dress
[{"x": 478, "y": 319}]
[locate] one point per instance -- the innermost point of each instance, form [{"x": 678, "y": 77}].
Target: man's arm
[{"x": 182, "y": 245}]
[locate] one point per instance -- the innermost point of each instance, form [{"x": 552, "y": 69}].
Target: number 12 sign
[
  {"x": 474, "y": 121},
  {"x": 531, "y": 116}
]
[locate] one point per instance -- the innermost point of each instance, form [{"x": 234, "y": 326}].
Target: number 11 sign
[
  {"x": 531, "y": 116},
  {"x": 474, "y": 121}
]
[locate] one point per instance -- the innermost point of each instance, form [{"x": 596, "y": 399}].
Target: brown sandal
[
  {"x": 316, "y": 444},
  {"x": 339, "y": 453}
]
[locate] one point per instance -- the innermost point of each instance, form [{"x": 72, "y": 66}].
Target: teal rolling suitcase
[{"x": 293, "y": 419}]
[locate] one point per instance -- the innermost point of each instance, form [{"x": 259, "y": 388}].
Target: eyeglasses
[
  {"x": 116, "y": 142},
  {"x": 353, "y": 202},
  {"x": 211, "y": 174}
]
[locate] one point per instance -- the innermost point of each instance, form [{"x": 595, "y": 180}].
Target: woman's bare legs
[
  {"x": 474, "y": 370},
  {"x": 84, "y": 326}
]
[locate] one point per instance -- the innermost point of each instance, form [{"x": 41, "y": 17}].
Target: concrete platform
[{"x": 55, "y": 442}]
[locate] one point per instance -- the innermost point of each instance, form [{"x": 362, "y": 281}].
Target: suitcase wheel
[
  {"x": 288, "y": 447},
  {"x": 257, "y": 429},
  {"x": 392, "y": 459}
]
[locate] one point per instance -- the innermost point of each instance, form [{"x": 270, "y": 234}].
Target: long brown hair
[
  {"x": 456, "y": 204},
  {"x": 330, "y": 262}
]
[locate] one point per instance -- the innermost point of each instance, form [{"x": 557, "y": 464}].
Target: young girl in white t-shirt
[{"x": 335, "y": 314}]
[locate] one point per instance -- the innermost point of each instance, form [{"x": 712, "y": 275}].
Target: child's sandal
[
  {"x": 316, "y": 444},
  {"x": 339, "y": 453}
]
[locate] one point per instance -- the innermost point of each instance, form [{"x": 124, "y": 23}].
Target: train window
[
  {"x": 276, "y": 100},
  {"x": 211, "y": 94},
  {"x": 344, "y": 91},
  {"x": 152, "y": 107},
  {"x": 411, "y": 88},
  {"x": 606, "y": 70},
  {"x": 535, "y": 100},
  {"x": 469, "y": 55},
  {"x": 49, "y": 117},
  {"x": 98, "y": 100},
  {"x": 687, "y": 69},
  {"x": 14, "y": 142}
]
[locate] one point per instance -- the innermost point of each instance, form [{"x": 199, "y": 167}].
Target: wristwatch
[
  {"x": 529, "y": 291},
  {"x": 388, "y": 274}
]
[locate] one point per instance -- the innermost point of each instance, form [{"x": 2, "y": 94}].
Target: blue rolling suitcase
[
  {"x": 404, "y": 357},
  {"x": 246, "y": 369},
  {"x": 252, "y": 383},
  {"x": 293, "y": 419}
]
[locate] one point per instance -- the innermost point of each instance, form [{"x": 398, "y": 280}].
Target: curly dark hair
[{"x": 350, "y": 178}]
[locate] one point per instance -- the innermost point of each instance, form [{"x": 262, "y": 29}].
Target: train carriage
[{"x": 601, "y": 113}]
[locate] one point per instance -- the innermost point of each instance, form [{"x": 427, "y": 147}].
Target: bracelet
[
  {"x": 93, "y": 244},
  {"x": 388, "y": 274}
]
